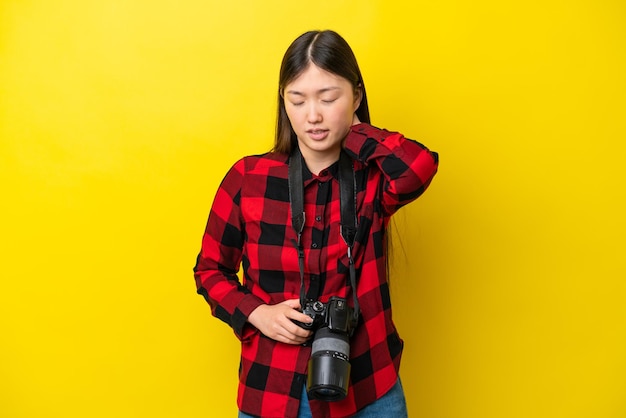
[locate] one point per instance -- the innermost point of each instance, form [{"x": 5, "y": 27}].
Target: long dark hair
[{"x": 330, "y": 52}]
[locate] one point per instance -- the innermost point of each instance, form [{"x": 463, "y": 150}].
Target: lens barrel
[{"x": 329, "y": 366}]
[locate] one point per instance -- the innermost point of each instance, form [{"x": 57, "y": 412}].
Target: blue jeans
[{"x": 391, "y": 405}]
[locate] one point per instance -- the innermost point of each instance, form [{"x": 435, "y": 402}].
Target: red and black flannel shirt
[{"x": 250, "y": 225}]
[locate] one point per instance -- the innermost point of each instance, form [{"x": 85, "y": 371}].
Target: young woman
[{"x": 324, "y": 248}]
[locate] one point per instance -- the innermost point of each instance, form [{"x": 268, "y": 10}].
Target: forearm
[{"x": 406, "y": 165}]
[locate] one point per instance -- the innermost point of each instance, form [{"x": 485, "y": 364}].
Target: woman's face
[{"x": 320, "y": 106}]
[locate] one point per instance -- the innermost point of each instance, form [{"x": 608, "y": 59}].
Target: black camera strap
[{"x": 348, "y": 221}]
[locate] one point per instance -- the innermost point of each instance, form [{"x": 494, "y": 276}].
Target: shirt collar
[{"x": 325, "y": 175}]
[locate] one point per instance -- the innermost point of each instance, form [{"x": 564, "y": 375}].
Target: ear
[{"x": 358, "y": 96}]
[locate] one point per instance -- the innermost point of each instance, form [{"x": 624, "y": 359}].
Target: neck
[{"x": 316, "y": 163}]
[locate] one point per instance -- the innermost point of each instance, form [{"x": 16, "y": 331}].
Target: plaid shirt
[{"x": 250, "y": 225}]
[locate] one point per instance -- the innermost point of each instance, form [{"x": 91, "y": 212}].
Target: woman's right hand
[{"x": 276, "y": 322}]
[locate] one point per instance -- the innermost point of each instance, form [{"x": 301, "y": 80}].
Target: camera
[{"x": 329, "y": 365}]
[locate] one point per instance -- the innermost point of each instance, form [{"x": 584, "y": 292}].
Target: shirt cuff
[
  {"x": 357, "y": 140},
  {"x": 240, "y": 318}
]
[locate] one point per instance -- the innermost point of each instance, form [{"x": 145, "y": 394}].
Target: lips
[{"x": 317, "y": 134}]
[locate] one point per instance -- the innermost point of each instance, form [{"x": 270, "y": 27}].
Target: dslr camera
[{"x": 329, "y": 365}]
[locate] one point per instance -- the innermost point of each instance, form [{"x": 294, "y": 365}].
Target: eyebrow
[{"x": 320, "y": 91}]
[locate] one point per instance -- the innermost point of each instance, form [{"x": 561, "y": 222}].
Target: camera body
[
  {"x": 336, "y": 315},
  {"x": 329, "y": 365}
]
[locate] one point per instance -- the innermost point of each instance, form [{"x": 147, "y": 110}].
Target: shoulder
[
  {"x": 260, "y": 163},
  {"x": 263, "y": 162},
  {"x": 259, "y": 176}
]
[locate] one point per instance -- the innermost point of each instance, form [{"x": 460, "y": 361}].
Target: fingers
[
  {"x": 292, "y": 339},
  {"x": 295, "y": 314},
  {"x": 292, "y": 303},
  {"x": 294, "y": 331},
  {"x": 291, "y": 333},
  {"x": 300, "y": 317}
]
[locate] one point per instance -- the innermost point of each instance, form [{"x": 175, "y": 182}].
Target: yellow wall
[{"x": 118, "y": 119}]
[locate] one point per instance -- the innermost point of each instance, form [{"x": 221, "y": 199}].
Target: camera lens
[{"x": 329, "y": 366}]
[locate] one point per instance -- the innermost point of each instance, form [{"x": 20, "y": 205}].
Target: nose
[{"x": 313, "y": 114}]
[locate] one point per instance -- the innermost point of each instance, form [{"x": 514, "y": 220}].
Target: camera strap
[{"x": 348, "y": 220}]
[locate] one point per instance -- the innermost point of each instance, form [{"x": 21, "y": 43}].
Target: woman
[{"x": 323, "y": 119}]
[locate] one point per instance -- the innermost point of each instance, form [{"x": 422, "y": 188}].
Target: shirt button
[
  {"x": 318, "y": 218},
  {"x": 314, "y": 245}
]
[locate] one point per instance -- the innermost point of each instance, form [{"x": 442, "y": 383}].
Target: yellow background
[{"x": 118, "y": 119}]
